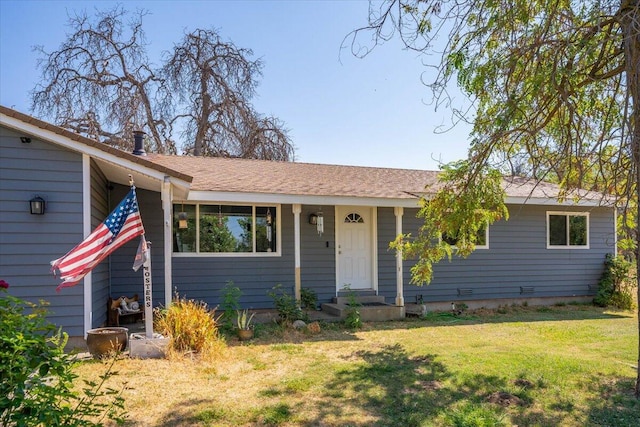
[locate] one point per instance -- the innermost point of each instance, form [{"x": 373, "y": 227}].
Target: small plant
[
  {"x": 615, "y": 288},
  {"x": 288, "y": 309},
  {"x": 244, "y": 320},
  {"x": 308, "y": 299},
  {"x": 352, "y": 318},
  {"x": 37, "y": 375},
  {"x": 190, "y": 326},
  {"x": 230, "y": 304}
]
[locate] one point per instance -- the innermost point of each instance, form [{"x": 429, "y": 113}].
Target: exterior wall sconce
[
  {"x": 317, "y": 219},
  {"x": 36, "y": 205},
  {"x": 182, "y": 221}
]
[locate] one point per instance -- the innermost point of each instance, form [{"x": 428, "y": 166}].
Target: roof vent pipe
[{"x": 138, "y": 143}]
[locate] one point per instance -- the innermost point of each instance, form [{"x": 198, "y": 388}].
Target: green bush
[
  {"x": 308, "y": 298},
  {"x": 615, "y": 288},
  {"x": 190, "y": 326},
  {"x": 286, "y": 305},
  {"x": 37, "y": 375},
  {"x": 230, "y": 305},
  {"x": 352, "y": 319}
]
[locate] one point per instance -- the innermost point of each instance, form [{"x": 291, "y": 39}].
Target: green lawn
[{"x": 524, "y": 366}]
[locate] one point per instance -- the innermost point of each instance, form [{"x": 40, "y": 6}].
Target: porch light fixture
[
  {"x": 36, "y": 205},
  {"x": 182, "y": 221}
]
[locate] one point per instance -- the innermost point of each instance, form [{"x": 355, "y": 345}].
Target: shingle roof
[
  {"x": 293, "y": 178},
  {"x": 305, "y": 179},
  {"x": 309, "y": 179}
]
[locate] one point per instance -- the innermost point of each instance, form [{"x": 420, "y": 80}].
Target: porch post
[
  {"x": 86, "y": 230},
  {"x": 167, "y": 212},
  {"x": 297, "y": 209},
  {"x": 398, "y": 211}
]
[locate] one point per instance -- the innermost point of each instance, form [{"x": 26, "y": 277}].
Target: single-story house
[{"x": 261, "y": 223}]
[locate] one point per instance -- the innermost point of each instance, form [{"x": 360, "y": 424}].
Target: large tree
[
  {"x": 554, "y": 90},
  {"x": 102, "y": 84}
]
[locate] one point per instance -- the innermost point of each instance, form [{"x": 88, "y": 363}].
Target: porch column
[
  {"x": 86, "y": 230},
  {"x": 167, "y": 212},
  {"x": 398, "y": 211},
  {"x": 297, "y": 209}
]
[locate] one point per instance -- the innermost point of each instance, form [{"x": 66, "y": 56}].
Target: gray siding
[
  {"x": 318, "y": 253},
  {"x": 517, "y": 257},
  {"x": 100, "y": 274},
  {"x": 29, "y": 242}
]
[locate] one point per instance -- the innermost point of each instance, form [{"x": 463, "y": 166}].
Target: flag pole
[
  {"x": 148, "y": 293},
  {"x": 147, "y": 281}
]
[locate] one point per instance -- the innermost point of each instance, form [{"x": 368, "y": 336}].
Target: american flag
[{"x": 122, "y": 225}]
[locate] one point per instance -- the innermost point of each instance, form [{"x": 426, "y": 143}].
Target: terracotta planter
[
  {"x": 245, "y": 334},
  {"x": 104, "y": 341}
]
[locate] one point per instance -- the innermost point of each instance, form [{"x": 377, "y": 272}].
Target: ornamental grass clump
[{"x": 191, "y": 327}]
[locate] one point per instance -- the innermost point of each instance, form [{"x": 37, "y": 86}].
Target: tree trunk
[{"x": 628, "y": 16}]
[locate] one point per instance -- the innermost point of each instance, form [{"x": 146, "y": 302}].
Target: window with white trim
[
  {"x": 482, "y": 238},
  {"x": 225, "y": 229},
  {"x": 568, "y": 230}
]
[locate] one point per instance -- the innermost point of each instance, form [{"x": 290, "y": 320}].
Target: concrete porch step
[
  {"x": 373, "y": 308},
  {"x": 361, "y": 299}
]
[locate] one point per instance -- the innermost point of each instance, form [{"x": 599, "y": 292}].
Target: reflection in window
[
  {"x": 480, "y": 241},
  {"x": 567, "y": 229},
  {"x": 184, "y": 239},
  {"x": 226, "y": 229}
]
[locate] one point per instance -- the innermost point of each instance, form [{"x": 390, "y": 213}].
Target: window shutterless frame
[
  {"x": 257, "y": 219},
  {"x": 486, "y": 239},
  {"x": 568, "y": 230}
]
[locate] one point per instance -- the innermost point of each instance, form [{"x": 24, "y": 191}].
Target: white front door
[{"x": 354, "y": 250}]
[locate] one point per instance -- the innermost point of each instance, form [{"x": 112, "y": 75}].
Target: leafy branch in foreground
[{"x": 454, "y": 218}]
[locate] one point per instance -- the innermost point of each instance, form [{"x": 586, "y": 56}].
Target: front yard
[{"x": 545, "y": 366}]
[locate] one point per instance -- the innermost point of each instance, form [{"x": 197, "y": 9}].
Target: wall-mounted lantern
[{"x": 36, "y": 206}]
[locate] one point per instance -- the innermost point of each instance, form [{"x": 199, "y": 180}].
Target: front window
[
  {"x": 230, "y": 229},
  {"x": 568, "y": 230},
  {"x": 482, "y": 238}
]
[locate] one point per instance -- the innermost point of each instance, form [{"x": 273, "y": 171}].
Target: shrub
[
  {"x": 288, "y": 309},
  {"x": 230, "y": 305},
  {"x": 308, "y": 298},
  {"x": 37, "y": 375},
  {"x": 615, "y": 288},
  {"x": 352, "y": 319},
  {"x": 190, "y": 326}
]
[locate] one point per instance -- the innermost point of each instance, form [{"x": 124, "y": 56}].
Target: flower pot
[
  {"x": 245, "y": 334},
  {"x": 105, "y": 341}
]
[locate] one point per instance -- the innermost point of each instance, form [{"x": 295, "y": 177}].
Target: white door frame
[{"x": 372, "y": 227}]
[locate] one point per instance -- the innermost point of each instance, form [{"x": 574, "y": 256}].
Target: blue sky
[{"x": 339, "y": 109}]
